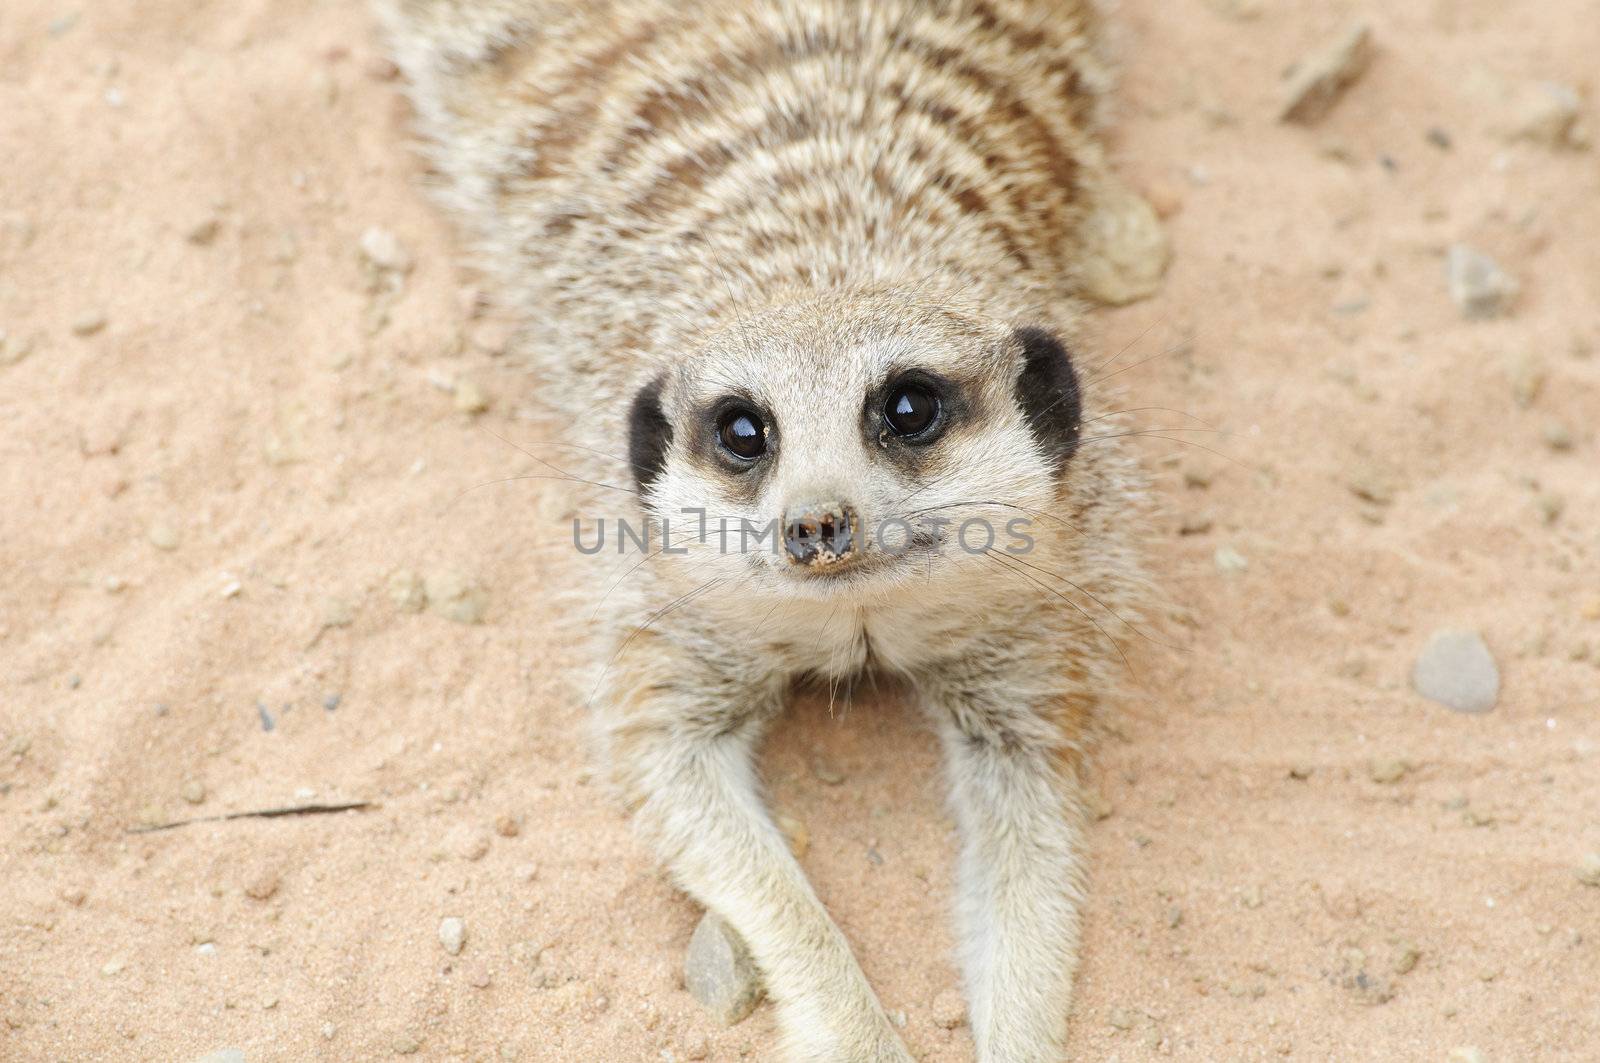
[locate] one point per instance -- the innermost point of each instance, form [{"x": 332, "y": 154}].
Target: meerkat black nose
[{"x": 820, "y": 534}]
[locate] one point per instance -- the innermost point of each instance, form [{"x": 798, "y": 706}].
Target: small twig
[{"x": 264, "y": 813}]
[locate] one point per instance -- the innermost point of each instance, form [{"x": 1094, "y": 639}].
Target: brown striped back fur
[{"x": 633, "y": 172}]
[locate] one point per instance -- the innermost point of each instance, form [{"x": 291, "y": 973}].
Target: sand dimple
[{"x": 238, "y": 498}]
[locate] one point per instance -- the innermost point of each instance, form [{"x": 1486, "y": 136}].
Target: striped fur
[
  {"x": 792, "y": 201},
  {"x": 630, "y": 169}
]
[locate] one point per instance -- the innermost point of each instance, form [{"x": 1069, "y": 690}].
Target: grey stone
[
  {"x": 1456, "y": 669},
  {"x": 1478, "y": 286},
  {"x": 452, "y": 934},
  {"x": 719, "y": 973}
]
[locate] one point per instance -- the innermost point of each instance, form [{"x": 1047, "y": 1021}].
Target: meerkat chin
[{"x": 815, "y": 267}]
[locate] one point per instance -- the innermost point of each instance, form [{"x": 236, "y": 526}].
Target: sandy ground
[{"x": 224, "y": 451}]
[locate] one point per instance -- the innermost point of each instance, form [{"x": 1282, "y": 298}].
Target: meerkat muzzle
[{"x": 820, "y": 535}]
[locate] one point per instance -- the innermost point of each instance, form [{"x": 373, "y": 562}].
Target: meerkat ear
[
  {"x": 1047, "y": 392},
  {"x": 649, "y": 434}
]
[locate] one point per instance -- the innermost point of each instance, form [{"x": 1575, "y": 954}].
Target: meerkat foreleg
[
  {"x": 1016, "y": 799},
  {"x": 690, "y": 773}
]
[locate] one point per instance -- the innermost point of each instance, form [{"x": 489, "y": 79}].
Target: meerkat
[{"x": 820, "y": 263}]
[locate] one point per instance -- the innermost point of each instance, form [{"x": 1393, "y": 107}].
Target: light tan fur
[{"x": 793, "y": 201}]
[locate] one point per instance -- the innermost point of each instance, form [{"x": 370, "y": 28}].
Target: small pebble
[
  {"x": 1127, "y": 248},
  {"x": 1317, "y": 82},
  {"x": 194, "y": 791},
  {"x": 264, "y": 884},
  {"x": 14, "y": 349},
  {"x": 1527, "y": 380},
  {"x": 162, "y": 536},
  {"x": 337, "y": 612},
  {"x": 407, "y": 590},
  {"x": 223, "y": 1055},
  {"x": 1456, "y": 669},
  {"x": 1387, "y": 770},
  {"x": 1467, "y": 1054},
  {"x": 1477, "y": 284},
  {"x": 1557, "y": 436},
  {"x": 719, "y": 973},
  {"x": 331, "y": 702},
  {"x": 825, "y": 771},
  {"x": 1551, "y": 506},
  {"x": 472, "y": 845},
  {"x": 453, "y": 595},
  {"x": 88, "y": 323},
  {"x": 452, "y": 934},
  {"x": 1588, "y": 870},
  {"x": 382, "y": 250},
  {"x": 469, "y": 397},
  {"x": 795, "y": 832},
  {"x": 405, "y": 1045},
  {"x": 1545, "y": 113},
  {"x": 508, "y": 826},
  {"x": 1229, "y": 560},
  {"x": 493, "y": 337},
  {"x": 949, "y": 1009},
  {"x": 203, "y": 232},
  {"x": 1371, "y": 485}
]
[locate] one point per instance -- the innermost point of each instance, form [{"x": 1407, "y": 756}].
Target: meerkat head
[{"x": 843, "y": 442}]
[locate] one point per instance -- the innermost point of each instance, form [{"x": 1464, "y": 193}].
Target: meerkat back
[{"x": 629, "y": 170}]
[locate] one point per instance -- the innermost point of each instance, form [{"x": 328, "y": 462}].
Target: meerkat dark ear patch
[
  {"x": 649, "y": 434},
  {"x": 1047, "y": 392}
]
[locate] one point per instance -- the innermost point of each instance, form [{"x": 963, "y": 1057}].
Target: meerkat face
[{"x": 840, "y": 445}]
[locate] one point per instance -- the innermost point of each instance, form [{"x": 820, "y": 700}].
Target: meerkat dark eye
[
  {"x": 910, "y": 409},
  {"x": 742, "y": 433}
]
